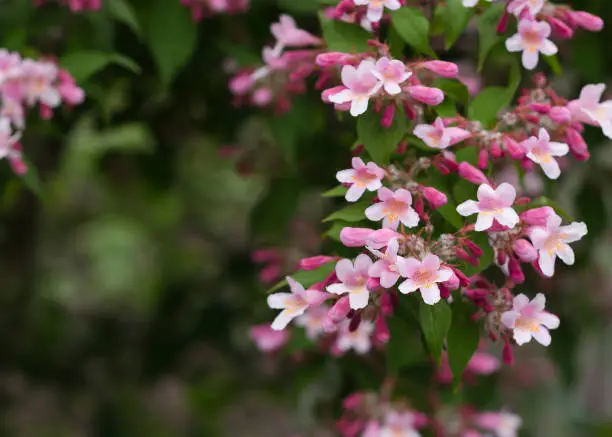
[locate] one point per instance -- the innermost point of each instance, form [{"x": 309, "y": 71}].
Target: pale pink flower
[
  {"x": 483, "y": 363},
  {"x": 293, "y": 304},
  {"x": 386, "y": 267},
  {"x": 528, "y": 319},
  {"x": 423, "y": 276},
  {"x": 471, "y": 3},
  {"x": 393, "y": 208},
  {"x": 38, "y": 83},
  {"x": 588, "y": 109},
  {"x": 360, "y": 84},
  {"x": 360, "y": 340},
  {"x": 531, "y": 39},
  {"x": 391, "y": 73},
  {"x": 542, "y": 151},
  {"x": 10, "y": 65},
  {"x": 534, "y": 7},
  {"x": 376, "y": 7},
  {"x": 9, "y": 148},
  {"x": 502, "y": 423},
  {"x": 492, "y": 205},
  {"x": 267, "y": 339},
  {"x": 399, "y": 424},
  {"x": 354, "y": 278},
  {"x": 287, "y": 34},
  {"x": 438, "y": 136},
  {"x": 362, "y": 177},
  {"x": 313, "y": 321},
  {"x": 552, "y": 242}
]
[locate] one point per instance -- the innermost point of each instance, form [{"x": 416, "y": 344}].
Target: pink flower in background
[
  {"x": 398, "y": 424},
  {"x": 531, "y": 39},
  {"x": 268, "y": 339},
  {"x": 542, "y": 151},
  {"x": 361, "y": 177},
  {"x": 588, "y": 109},
  {"x": 293, "y": 304},
  {"x": 38, "y": 83},
  {"x": 313, "y": 321},
  {"x": 393, "y": 208},
  {"x": 360, "y": 340},
  {"x": 200, "y": 8},
  {"x": 287, "y": 34},
  {"x": 386, "y": 267},
  {"x": 492, "y": 205},
  {"x": 534, "y": 7},
  {"x": 438, "y": 136},
  {"x": 423, "y": 276},
  {"x": 528, "y": 320},
  {"x": 359, "y": 85},
  {"x": 77, "y": 5},
  {"x": 471, "y": 3},
  {"x": 391, "y": 73},
  {"x": 354, "y": 278},
  {"x": 10, "y": 148},
  {"x": 552, "y": 241},
  {"x": 483, "y": 363},
  {"x": 376, "y": 7},
  {"x": 502, "y": 423}
]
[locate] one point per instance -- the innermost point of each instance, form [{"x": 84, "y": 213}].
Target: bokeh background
[{"x": 127, "y": 284}]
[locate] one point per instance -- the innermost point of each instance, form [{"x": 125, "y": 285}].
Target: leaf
[
  {"x": 338, "y": 191},
  {"x": 123, "y": 11},
  {"x": 487, "y": 31},
  {"x": 462, "y": 339},
  {"x": 31, "y": 179},
  {"x": 413, "y": 27},
  {"x": 302, "y": 6},
  {"x": 435, "y": 322},
  {"x": 456, "y": 17},
  {"x": 380, "y": 142},
  {"x": 352, "y": 213},
  {"x": 171, "y": 35},
  {"x": 307, "y": 278},
  {"x": 446, "y": 109},
  {"x": 402, "y": 349},
  {"x": 85, "y": 63},
  {"x": 553, "y": 63},
  {"x": 276, "y": 208},
  {"x": 453, "y": 88},
  {"x": 344, "y": 37}
]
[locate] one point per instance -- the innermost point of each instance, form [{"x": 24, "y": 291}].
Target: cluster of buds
[
  {"x": 25, "y": 83},
  {"x": 76, "y": 5},
  {"x": 204, "y": 8}
]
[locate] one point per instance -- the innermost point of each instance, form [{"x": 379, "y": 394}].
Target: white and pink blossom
[
  {"x": 399, "y": 424},
  {"x": 471, "y": 3},
  {"x": 386, "y": 267},
  {"x": 391, "y": 74},
  {"x": 531, "y": 39},
  {"x": 313, "y": 321},
  {"x": 268, "y": 339},
  {"x": 438, "y": 136},
  {"x": 553, "y": 240},
  {"x": 376, "y": 7},
  {"x": 492, "y": 205},
  {"x": 588, "y": 109},
  {"x": 361, "y": 177},
  {"x": 287, "y": 34},
  {"x": 423, "y": 276},
  {"x": 528, "y": 320},
  {"x": 542, "y": 151},
  {"x": 517, "y": 7},
  {"x": 394, "y": 208},
  {"x": 504, "y": 424},
  {"x": 293, "y": 304},
  {"x": 359, "y": 85},
  {"x": 353, "y": 280},
  {"x": 360, "y": 340}
]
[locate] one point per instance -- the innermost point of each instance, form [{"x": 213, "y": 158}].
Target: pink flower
[
  {"x": 552, "y": 241},
  {"x": 542, "y": 151},
  {"x": 38, "y": 83},
  {"x": 9, "y": 148},
  {"x": 287, "y": 34},
  {"x": 502, "y": 423},
  {"x": 435, "y": 198},
  {"x": 471, "y": 3},
  {"x": 492, "y": 205},
  {"x": 386, "y": 267},
  {"x": 354, "y": 278},
  {"x": 483, "y": 363},
  {"x": 528, "y": 319},
  {"x": 391, "y": 73},
  {"x": 423, "y": 276},
  {"x": 531, "y": 39},
  {"x": 393, "y": 208},
  {"x": 360, "y": 84},
  {"x": 313, "y": 321},
  {"x": 359, "y": 340},
  {"x": 438, "y": 136},
  {"x": 588, "y": 109},
  {"x": 516, "y": 7},
  {"x": 443, "y": 68},
  {"x": 361, "y": 177},
  {"x": 267, "y": 339},
  {"x": 399, "y": 424},
  {"x": 376, "y": 7},
  {"x": 293, "y": 304},
  {"x": 68, "y": 89}
]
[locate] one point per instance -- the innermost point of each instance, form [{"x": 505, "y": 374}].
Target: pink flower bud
[
  {"x": 483, "y": 159},
  {"x": 265, "y": 255},
  {"x": 577, "y": 145},
  {"x": 502, "y": 25},
  {"x": 329, "y": 59},
  {"x": 515, "y": 271},
  {"x": 381, "y": 330},
  {"x": 496, "y": 151},
  {"x": 353, "y": 401},
  {"x": 314, "y": 262},
  {"x": 340, "y": 310},
  {"x": 262, "y": 97},
  {"x": 355, "y": 322},
  {"x": 472, "y": 174},
  {"x": 537, "y": 216},
  {"x": 560, "y": 29},
  {"x": 587, "y": 21},
  {"x": 241, "y": 84},
  {"x": 355, "y": 237},
  {"x": 18, "y": 166},
  {"x": 508, "y": 354},
  {"x": 379, "y": 238},
  {"x": 435, "y": 198},
  {"x": 452, "y": 283},
  {"x": 541, "y": 108},
  {"x": 373, "y": 284},
  {"x": 388, "y": 115},
  {"x": 473, "y": 248},
  {"x": 444, "y": 291},
  {"x": 270, "y": 273},
  {"x": 560, "y": 114},
  {"x": 514, "y": 149},
  {"x": 463, "y": 280},
  {"x": 427, "y": 95},
  {"x": 443, "y": 68},
  {"x": 476, "y": 293},
  {"x": 524, "y": 250},
  {"x": 500, "y": 257},
  {"x": 328, "y": 92}
]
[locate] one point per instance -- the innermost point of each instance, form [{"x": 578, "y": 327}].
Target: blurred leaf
[
  {"x": 456, "y": 18},
  {"x": 123, "y": 11},
  {"x": 487, "y": 31},
  {"x": 564, "y": 352},
  {"x": 307, "y": 278},
  {"x": 344, "y": 37},
  {"x": 446, "y": 109},
  {"x": 338, "y": 191},
  {"x": 413, "y": 27},
  {"x": 402, "y": 350},
  {"x": 553, "y": 63},
  {"x": 276, "y": 209},
  {"x": 301, "y": 6},
  {"x": 453, "y": 88},
  {"x": 355, "y": 212},
  {"x": 31, "y": 179},
  {"x": 435, "y": 323},
  {"x": 84, "y": 64},
  {"x": 378, "y": 141},
  {"x": 462, "y": 339}
]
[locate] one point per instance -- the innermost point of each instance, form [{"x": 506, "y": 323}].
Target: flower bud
[
  {"x": 473, "y": 248},
  {"x": 502, "y": 25},
  {"x": 340, "y": 310},
  {"x": 560, "y": 114},
  {"x": 537, "y": 216},
  {"x": 427, "y": 95},
  {"x": 314, "y": 262},
  {"x": 525, "y": 250},
  {"x": 508, "y": 354},
  {"x": 379, "y": 238},
  {"x": 587, "y": 21},
  {"x": 483, "y": 159},
  {"x": 559, "y": 28},
  {"x": 387, "y": 118},
  {"x": 353, "y": 401},
  {"x": 452, "y": 283},
  {"x": 463, "y": 280},
  {"x": 386, "y": 304},
  {"x": 472, "y": 174},
  {"x": 435, "y": 198},
  {"x": 355, "y": 322},
  {"x": 381, "y": 330},
  {"x": 241, "y": 84},
  {"x": 328, "y": 92},
  {"x": 329, "y": 59},
  {"x": 577, "y": 145},
  {"x": 540, "y": 108},
  {"x": 514, "y": 149},
  {"x": 262, "y": 96},
  {"x": 515, "y": 272},
  {"x": 442, "y": 68},
  {"x": 355, "y": 237}
]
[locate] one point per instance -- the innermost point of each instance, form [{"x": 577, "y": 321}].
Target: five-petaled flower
[
  {"x": 393, "y": 208},
  {"x": 386, "y": 267},
  {"x": 438, "y": 136},
  {"x": 492, "y": 205},
  {"x": 361, "y": 177},
  {"x": 293, "y": 304},
  {"x": 376, "y": 7},
  {"x": 542, "y": 151},
  {"x": 516, "y": 7},
  {"x": 552, "y": 242},
  {"x": 313, "y": 321},
  {"x": 359, "y": 340},
  {"x": 391, "y": 74},
  {"x": 531, "y": 39},
  {"x": 354, "y": 279},
  {"x": 360, "y": 84},
  {"x": 528, "y": 320},
  {"x": 423, "y": 276},
  {"x": 588, "y": 109},
  {"x": 503, "y": 423}
]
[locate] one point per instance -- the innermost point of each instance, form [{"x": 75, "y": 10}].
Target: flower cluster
[
  {"x": 368, "y": 13},
  {"x": 25, "y": 83},
  {"x": 203, "y": 8}
]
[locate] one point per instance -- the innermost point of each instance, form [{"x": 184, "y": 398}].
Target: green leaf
[
  {"x": 276, "y": 208},
  {"x": 123, "y": 11},
  {"x": 171, "y": 35},
  {"x": 453, "y": 88},
  {"x": 352, "y": 213},
  {"x": 302, "y": 6},
  {"x": 380, "y": 142},
  {"x": 448, "y": 211},
  {"x": 446, "y": 109},
  {"x": 435, "y": 323},
  {"x": 85, "y": 63},
  {"x": 553, "y": 63},
  {"x": 31, "y": 179},
  {"x": 344, "y": 37},
  {"x": 307, "y": 278},
  {"x": 456, "y": 18},
  {"x": 413, "y": 27},
  {"x": 462, "y": 339},
  {"x": 403, "y": 348},
  {"x": 487, "y": 31},
  {"x": 338, "y": 191}
]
